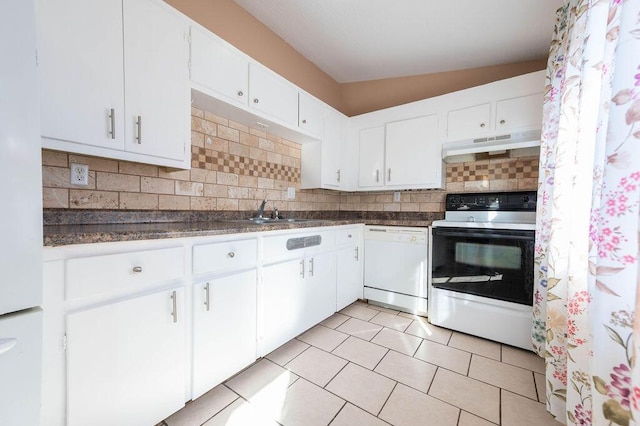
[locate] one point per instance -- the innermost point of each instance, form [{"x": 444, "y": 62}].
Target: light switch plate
[
  {"x": 396, "y": 196},
  {"x": 291, "y": 193}
]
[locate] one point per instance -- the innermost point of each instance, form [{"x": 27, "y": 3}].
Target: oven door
[{"x": 492, "y": 263}]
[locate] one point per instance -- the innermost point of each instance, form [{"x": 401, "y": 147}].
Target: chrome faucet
[{"x": 260, "y": 212}]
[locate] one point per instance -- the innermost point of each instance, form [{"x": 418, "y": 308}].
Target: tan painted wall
[{"x": 238, "y": 27}]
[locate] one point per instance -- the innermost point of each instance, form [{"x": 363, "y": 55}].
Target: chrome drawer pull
[
  {"x": 357, "y": 253},
  {"x": 112, "y": 119},
  {"x": 206, "y": 297},
  {"x": 139, "y": 128},
  {"x": 174, "y": 300},
  {"x": 302, "y": 266},
  {"x": 231, "y": 254},
  {"x": 311, "y": 266},
  {"x": 137, "y": 269},
  {"x": 377, "y": 175},
  {"x": 240, "y": 93}
]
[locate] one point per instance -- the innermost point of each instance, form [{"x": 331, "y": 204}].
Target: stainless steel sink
[{"x": 267, "y": 220}]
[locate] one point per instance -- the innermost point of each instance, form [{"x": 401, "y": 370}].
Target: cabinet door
[
  {"x": 218, "y": 68},
  {"x": 80, "y": 65},
  {"x": 224, "y": 329},
  {"x": 413, "y": 152},
  {"x": 283, "y": 303},
  {"x": 349, "y": 276},
  {"x": 311, "y": 115},
  {"x": 126, "y": 361},
  {"x": 272, "y": 95},
  {"x": 320, "y": 288},
  {"x": 524, "y": 112},
  {"x": 469, "y": 122},
  {"x": 157, "y": 79},
  {"x": 333, "y": 147},
  {"x": 371, "y": 158}
]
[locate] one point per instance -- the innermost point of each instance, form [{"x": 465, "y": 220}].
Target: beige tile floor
[{"x": 369, "y": 365}]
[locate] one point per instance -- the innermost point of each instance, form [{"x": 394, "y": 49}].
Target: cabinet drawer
[
  {"x": 347, "y": 236},
  {"x": 90, "y": 276},
  {"x": 224, "y": 255}
]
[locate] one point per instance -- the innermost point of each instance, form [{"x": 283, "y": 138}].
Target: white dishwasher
[{"x": 395, "y": 267}]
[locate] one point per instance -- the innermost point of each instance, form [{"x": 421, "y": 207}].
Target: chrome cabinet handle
[
  {"x": 377, "y": 175},
  {"x": 174, "y": 302},
  {"x": 112, "y": 120},
  {"x": 481, "y": 124},
  {"x": 206, "y": 297},
  {"x": 357, "y": 253},
  {"x": 502, "y": 121},
  {"x": 311, "y": 266},
  {"x": 231, "y": 254},
  {"x": 349, "y": 236},
  {"x": 389, "y": 179},
  {"x": 304, "y": 121},
  {"x": 302, "y": 266},
  {"x": 240, "y": 93},
  {"x": 139, "y": 130},
  {"x": 137, "y": 269},
  {"x": 256, "y": 100},
  {"x": 338, "y": 175}
]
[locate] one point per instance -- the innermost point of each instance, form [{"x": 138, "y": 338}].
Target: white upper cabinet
[
  {"x": 521, "y": 113},
  {"x": 156, "y": 79},
  {"x": 80, "y": 63},
  {"x": 311, "y": 115},
  {"x": 371, "y": 158},
  {"x": 272, "y": 95},
  {"x": 218, "y": 67},
  {"x": 469, "y": 122},
  {"x": 413, "y": 153},
  {"x": 114, "y": 80}
]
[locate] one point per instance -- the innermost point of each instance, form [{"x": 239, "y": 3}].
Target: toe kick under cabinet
[{"x": 134, "y": 330}]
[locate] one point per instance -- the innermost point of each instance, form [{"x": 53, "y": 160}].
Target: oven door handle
[{"x": 493, "y": 234}]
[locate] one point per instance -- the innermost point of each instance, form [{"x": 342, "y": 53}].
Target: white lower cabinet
[
  {"x": 126, "y": 361},
  {"x": 283, "y": 303},
  {"x": 349, "y": 267},
  {"x": 298, "y": 294},
  {"x": 224, "y": 329}
]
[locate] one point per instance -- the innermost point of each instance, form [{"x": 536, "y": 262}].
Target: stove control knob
[{"x": 525, "y": 198}]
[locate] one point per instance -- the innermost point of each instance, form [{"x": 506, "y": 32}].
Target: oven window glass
[
  {"x": 489, "y": 256},
  {"x": 496, "y": 264}
]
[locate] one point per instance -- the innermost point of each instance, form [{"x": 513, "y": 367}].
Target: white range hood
[{"x": 458, "y": 151}]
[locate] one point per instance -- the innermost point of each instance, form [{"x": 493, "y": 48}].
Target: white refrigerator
[{"x": 20, "y": 218}]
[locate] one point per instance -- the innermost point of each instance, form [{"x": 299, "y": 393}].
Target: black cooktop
[{"x": 487, "y": 201}]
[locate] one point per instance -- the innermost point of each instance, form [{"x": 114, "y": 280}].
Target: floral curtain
[{"x": 586, "y": 321}]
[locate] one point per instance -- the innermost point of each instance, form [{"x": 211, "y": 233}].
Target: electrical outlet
[
  {"x": 79, "y": 174},
  {"x": 396, "y": 196},
  {"x": 291, "y": 193}
]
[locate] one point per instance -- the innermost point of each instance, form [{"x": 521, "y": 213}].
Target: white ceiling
[{"x": 358, "y": 40}]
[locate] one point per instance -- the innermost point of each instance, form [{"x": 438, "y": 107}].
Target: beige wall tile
[
  {"x": 95, "y": 164},
  {"x": 54, "y": 158},
  {"x": 227, "y": 204},
  {"x": 201, "y": 175},
  {"x": 392, "y": 207},
  {"x": 238, "y": 126},
  {"x": 203, "y": 126},
  {"x": 248, "y": 181},
  {"x": 266, "y": 144},
  {"x": 257, "y": 194},
  {"x": 197, "y": 139},
  {"x": 258, "y": 132},
  {"x": 189, "y": 188},
  {"x": 216, "y": 144},
  {"x": 203, "y": 203},
  {"x": 529, "y": 184},
  {"x": 238, "y": 192},
  {"x": 258, "y": 154},
  {"x": 455, "y": 187},
  {"x": 249, "y": 140},
  {"x": 215, "y": 118},
  {"x": 265, "y": 183},
  {"x": 236, "y": 148},
  {"x": 134, "y": 200},
  {"x": 247, "y": 205},
  {"x": 228, "y": 133},
  {"x": 197, "y": 112},
  {"x": 213, "y": 190},
  {"x": 227, "y": 179},
  {"x": 174, "y": 174},
  {"x": 81, "y": 199},
  {"x": 174, "y": 202},
  {"x": 157, "y": 185},
  {"x": 129, "y": 168},
  {"x": 272, "y": 157},
  {"x": 53, "y": 198},
  {"x": 57, "y": 177},
  {"x": 409, "y": 207},
  {"x": 117, "y": 182}
]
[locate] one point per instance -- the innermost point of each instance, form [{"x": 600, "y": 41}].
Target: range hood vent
[{"x": 451, "y": 151}]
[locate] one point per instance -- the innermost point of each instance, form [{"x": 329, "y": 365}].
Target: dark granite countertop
[{"x": 66, "y": 227}]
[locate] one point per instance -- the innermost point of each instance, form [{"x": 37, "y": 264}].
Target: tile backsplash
[{"x": 234, "y": 167}]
